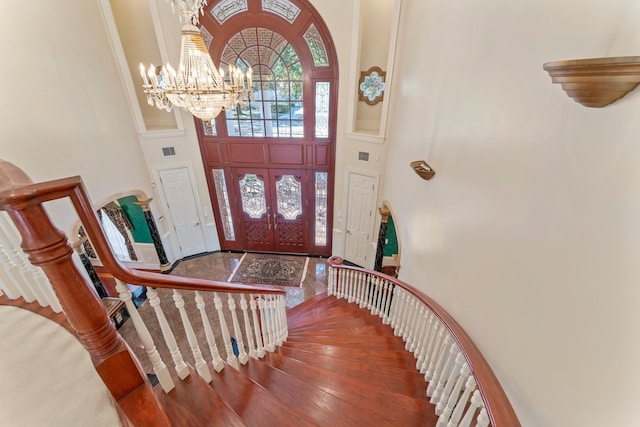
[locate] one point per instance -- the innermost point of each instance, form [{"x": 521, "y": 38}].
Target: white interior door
[
  {"x": 361, "y": 206},
  {"x": 183, "y": 208}
]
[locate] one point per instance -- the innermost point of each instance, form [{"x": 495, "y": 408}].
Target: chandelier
[{"x": 197, "y": 85}]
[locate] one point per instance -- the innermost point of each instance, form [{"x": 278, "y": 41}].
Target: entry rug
[{"x": 266, "y": 269}]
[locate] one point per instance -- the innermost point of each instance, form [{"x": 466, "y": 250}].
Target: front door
[{"x": 271, "y": 210}]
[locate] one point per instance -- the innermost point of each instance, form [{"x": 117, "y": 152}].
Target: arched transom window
[{"x": 276, "y": 109}]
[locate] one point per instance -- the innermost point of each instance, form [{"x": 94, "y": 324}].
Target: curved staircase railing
[
  {"x": 48, "y": 248},
  {"x": 460, "y": 381}
]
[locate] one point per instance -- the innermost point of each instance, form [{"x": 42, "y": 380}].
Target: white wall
[
  {"x": 63, "y": 111},
  {"x": 529, "y": 233}
]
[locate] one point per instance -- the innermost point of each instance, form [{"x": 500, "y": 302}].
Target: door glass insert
[
  {"x": 289, "y": 196},
  {"x": 223, "y": 204},
  {"x": 322, "y": 109},
  {"x": 321, "y": 208},
  {"x": 252, "y": 195}
]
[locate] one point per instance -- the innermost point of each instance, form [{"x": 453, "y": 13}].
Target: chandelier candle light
[{"x": 197, "y": 86}]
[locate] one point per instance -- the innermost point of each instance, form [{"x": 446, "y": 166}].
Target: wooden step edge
[
  {"x": 193, "y": 402},
  {"x": 322, "y": 407},
  {"x": 342, "y": 313},
  {"x": 354, "y": 328},
  {"x": 253, "y": 403},
  {"x": 318, "y": 305},
  {"x": 371, "y": 394},
  {"x": 359, "y": 354},
  {"x": 412, "y": 384}
]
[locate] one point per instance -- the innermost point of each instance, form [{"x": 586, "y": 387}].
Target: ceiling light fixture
[{"x": 197, "y": 85}]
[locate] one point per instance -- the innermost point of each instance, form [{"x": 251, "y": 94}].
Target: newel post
[{"x": 47, "y": 247}]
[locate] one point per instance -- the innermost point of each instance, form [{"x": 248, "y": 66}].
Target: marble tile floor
[
  {"x": 216, "y": 266},
  {"x": 219, "y": 266}
]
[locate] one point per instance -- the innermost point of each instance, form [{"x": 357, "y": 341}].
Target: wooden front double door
[{"x": 271, "y": 207}]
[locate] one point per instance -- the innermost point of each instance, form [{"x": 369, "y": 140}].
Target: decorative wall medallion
[{"x": 371, "y": 85}]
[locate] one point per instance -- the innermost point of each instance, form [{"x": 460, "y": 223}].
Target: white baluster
[
  {"x": 231, "y": 357},
  {"x": 264, "y": 320},
  {"x": 9, "y": 285},
  {"x": 444, "y": 375},
  {"x": 438, "y": 345},
  {"x": 397, "y": 318},
  {"x": 32, "y": 274},
  {"x": 428, "y": 339},
  {"x": 476, "y": 402},
  {"x": 282, "y": 318},
  {"x": 416, "y": 333},
  {"x": 376, "y": 295},
  {"x": 181, "y": 368},
  {"x": 243, "y": 357},
  {"x": 247, "y": 327},
  {"x": 386, "y": 302},
  {"x": 350, "y": 286},
  {"x": 483, "y": 418},
  {"x": 450, "y": 381},
  {"x": 434, "y": 344},
  {"x": 159, "y": 367},
  {"x": 218, "y": 363},
  {"x": 406, "y": 318},
  {"x": 359, "y": 289},
  {"x": 454, "y": 396},
  {"x": 340, "y": 283},
  {"x": 201, "y": 365},
  {"x": 412, "y": 324},
  {"x": 270, "y": 346},
  {"x": 331, "y": 281},
  {"x": 15, "y": 280},
  {"x": 256, "y": 326},
  {"x": 380, "y": 300},
  {"x": 275, "y": 314},
  {"x": 469, "y": 386},
  {"x": 395, "y": 303}
]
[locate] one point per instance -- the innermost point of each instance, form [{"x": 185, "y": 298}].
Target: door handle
[
  {"x": 275, "y": 222},
  {"x": 269, "y": 217}
]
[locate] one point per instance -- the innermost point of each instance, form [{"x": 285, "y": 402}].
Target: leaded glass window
[
  {"x": 322, "y": 109},
  {"x": 321, "y": 208},
  {"x": 283, "y": 8},
  {"x": 316, "y": 46},
  {"x": 223, "y": 204},
  {"x": 289, "y": 196},
  {"x": 276, "y": 107},
  {"x": 209, "y": 127},
  {"x": 252, "y": 195},
  {"x": 225, "y": 9}
]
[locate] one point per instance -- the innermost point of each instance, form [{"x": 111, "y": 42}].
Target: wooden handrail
[
  {"x": 496, "y": 402},
  {"x": 73, "y": 188},
  {"x": 47, "y": 247}
]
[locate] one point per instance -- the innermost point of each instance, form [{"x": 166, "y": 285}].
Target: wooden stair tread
[
  {"x": 254, "y": 404},
  {"x": 357, "y": 354},
  {"x": 322, "y": 407},
  {"x": 394, "y": 378},
  {"x": 355, "y": 330},
  {"x": 194, "y": 403},
  {"x": 370, "y": 394}
]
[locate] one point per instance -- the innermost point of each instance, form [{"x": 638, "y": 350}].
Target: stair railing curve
[
  {"x": 461, "y": 383},
  {"x": 47, "y": 247}
]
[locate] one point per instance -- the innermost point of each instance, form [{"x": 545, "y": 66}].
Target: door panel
[
  {"x": 360, "y": 216},
  {"x": 180, "y": 196},
  {"x": 289, "y": 210},
  {"x": 253, "y": 208}
]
